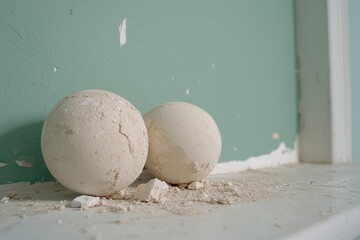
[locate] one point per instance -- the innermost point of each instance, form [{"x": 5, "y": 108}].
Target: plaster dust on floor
[
  {"x": 212, "y": 193},
  {"x": 279, "y": 201}
]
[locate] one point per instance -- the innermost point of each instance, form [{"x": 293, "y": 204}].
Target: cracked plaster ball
[
  {"x": 94, "y": 142},
  {"x": 184, "y": 142}
]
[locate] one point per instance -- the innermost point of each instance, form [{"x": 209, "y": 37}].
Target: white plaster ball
[
  {"x": 94, "y": 142},
  {"x": 184, "y": 142}
]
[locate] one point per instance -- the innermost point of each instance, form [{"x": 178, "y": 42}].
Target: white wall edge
[
  {"x": 278, "y": 157},
  {"x": 324, "y": 75},
  {"x": 338, "y": 31}
]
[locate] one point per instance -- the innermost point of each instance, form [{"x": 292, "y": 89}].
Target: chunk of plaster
[
  {"x": 151, "y": 191},
  {"x": 122, "y": 32},
  {"x": 195, "y": 185},
  {"x": 85, "y": 201},
  {"x": 25, "y": 161}
]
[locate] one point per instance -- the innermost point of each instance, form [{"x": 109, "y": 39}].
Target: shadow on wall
[{"x": 21, "y": 152}]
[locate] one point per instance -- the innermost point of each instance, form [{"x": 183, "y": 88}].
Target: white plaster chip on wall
[
  {"x": 122, "y": 32},
  {"x": 280, "y": 156},
  {"x": 3, "y": 164}
]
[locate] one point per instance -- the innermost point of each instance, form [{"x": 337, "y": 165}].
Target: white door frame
[{"x": 323, "y": 66}]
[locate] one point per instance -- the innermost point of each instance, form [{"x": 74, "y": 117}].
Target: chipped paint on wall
[
  {"x": 282, "y": 155},
  {"x": 3, "y": 164},
  {"x": 122, "y": 33}
]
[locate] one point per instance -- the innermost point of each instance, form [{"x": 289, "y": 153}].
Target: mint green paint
[
  {"x": 250, "y": 91},
  {"x": 354, "y": 21}
]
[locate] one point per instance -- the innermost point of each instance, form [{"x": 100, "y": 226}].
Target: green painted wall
[
  {"x": 354, "y": 21},
  {"x": 236, "y": 57}
]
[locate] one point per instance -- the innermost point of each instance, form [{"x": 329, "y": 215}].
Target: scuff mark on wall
[{"x": 122, "y": 32}]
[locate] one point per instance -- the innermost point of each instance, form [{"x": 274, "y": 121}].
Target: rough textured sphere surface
[
  {"x": 94, "y": 142},
  {"x": 184, "y": 142}
]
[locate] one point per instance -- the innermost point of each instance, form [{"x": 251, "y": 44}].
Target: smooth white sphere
[
  {"x": 184, "y": 142},
  {"x": 94, "y": 142}
]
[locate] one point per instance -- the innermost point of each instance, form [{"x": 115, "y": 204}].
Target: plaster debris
[
  {"x": 276, "y": 136},
  {"x": 213, "y": 65},
  {"x": 5, "y": 200},
  {"x": 187, "y": 91},
  {"x": 3, "y": 164},
  {"x": 122, "y": 32},
  {"x": 228, "y": 184},
  {"x": 61, "y": 205},
  {"x": 118, "y": 208},
  {"x": 172, "y": 78},
  {"x": 84, "y": 202},
  {"x": 146, "y": 199},
  {"x": 234, "y": 149},
  {"x": 122, "y": 194},
  {"x": 25, "y": 161},
  {"x": 151, "y": 191},
  {"x": 182, "y": 186},
  {"x": 195, "y": 185},
  {"x": 55, "y": 69}
]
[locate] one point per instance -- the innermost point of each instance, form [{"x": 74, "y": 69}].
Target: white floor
[{"x": 292, "y": 202}]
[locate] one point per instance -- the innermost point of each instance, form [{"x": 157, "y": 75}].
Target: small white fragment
[
  {"x": 5, "y": 200},
  {"x": 198, "y": 82},
  {"x": 195, "y": 185},
  {"x": 205, "y": 196},
  {"x": 59, "y": 221},
  {"x": 122, "y": 194},
  {"x": 213, "y": 65},
  {"x": 85, "y": 202},
  {"x": 206, "y": 182},
  {"x": 234, "y": 149},
  {"x": 275, "y": 136},
  {"x": 118, "y": 208},
  {"x": 182, "y": 185},
  {"x": 187, "y": 91},
  {"x": 55, "y": 69},
  {"x": 151, "y": 191},
  {"x": 25, "y": 161},
  {"x": 172, "y": 78},
  {"x": 59, "y": 207},
  {"x": 228, "y": 184},
  {"x": 3, "y": 164},
  {"x": 122, "y": 32}
]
